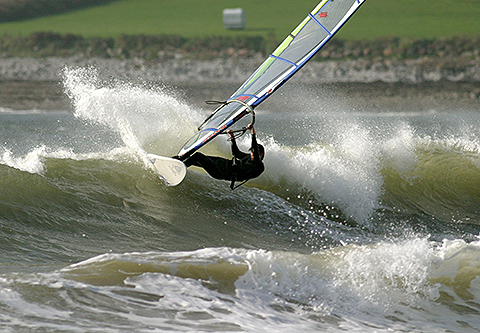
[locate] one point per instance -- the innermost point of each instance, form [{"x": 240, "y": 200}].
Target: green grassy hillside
[{"x": 190, "y": 18}]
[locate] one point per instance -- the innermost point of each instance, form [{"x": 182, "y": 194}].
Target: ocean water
[{"x": 365, "y": 220}]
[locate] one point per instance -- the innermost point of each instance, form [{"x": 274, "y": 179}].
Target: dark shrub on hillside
[
  {"x": 161, "y": 47},
  {"x": 148, "y": 46},
  {"x": 42, "y": 40},
  {"x": 394, "y": 47},
  {"x": 254, "y": 43},
  {"x": 16, "y": 10}
]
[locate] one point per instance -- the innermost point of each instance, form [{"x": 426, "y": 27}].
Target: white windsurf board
[{"x": 170, "y": 170}]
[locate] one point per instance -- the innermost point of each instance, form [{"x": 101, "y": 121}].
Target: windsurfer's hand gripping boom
[{"x": 251, "y": 129}]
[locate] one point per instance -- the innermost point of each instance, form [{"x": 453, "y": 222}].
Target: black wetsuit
[{"x": 240, "y": 168}]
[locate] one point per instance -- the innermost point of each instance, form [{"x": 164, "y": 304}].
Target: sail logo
[
  {"x": 176, "y": 170},
  {"x": 323, "y": 14}
]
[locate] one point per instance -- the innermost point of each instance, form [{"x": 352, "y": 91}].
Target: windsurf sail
[{"x": 294, "y": 52}]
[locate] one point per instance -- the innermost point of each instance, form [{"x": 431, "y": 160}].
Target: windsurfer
[{"x": 242, "y": 167}]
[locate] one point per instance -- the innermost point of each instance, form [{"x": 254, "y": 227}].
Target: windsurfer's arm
[
  {"x": 256, "y": 153},
  {"x": 235, "y": 151}
]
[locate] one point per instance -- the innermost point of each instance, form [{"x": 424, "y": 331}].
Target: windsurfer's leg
[{"x": 214, "y": 166}]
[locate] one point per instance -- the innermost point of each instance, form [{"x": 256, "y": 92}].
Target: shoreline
[
  {"x": 31, "y": 83},
  {"x": 373, "y": 96}
]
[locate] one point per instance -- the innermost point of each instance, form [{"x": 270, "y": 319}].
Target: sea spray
[
  {"x": 146, "y": 118},
  {"x": 342, "y": 170},
  {"x": 342, "y": 159},
  {"x": 151, "y": 120}
]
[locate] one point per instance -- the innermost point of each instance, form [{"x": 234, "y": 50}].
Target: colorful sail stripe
[
  {"x": 242, "y": 98},
  {"x": 321, "y": 25},
  {"x": 283, "y": 59}
]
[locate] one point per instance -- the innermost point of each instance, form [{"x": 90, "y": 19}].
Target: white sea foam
[
  {"x": 390, "y": 285},
  {"x": 31, "y": 162},
  {"x": 34, "y": 160}
]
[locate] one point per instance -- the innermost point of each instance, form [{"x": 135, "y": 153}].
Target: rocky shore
[
  {"x": 35, "y": 82},
  {"x": 237, "y": 70}
]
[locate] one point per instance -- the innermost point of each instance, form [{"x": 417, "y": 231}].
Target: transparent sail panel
[
  {"x": 224, "y": 113},
  {"x": 306, "y": 40},
  {"x": 271, "y": 71}
]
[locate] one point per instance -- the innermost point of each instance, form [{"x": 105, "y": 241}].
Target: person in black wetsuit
[{"x": 242, "y": 167}]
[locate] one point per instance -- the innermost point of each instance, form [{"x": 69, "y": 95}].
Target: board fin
[{"x": 170, "y": 170}]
